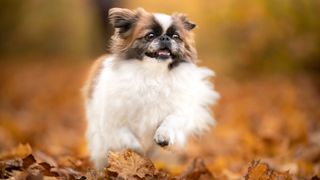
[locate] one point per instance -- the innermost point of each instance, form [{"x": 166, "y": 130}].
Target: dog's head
[{"x": 139, "y": 34}]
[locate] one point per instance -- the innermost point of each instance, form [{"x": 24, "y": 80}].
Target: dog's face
[{"x": 139, "y": 34}]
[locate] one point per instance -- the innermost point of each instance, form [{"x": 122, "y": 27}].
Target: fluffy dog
[{"x": 149, "y": 91}]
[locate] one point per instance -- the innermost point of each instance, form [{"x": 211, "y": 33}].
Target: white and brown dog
[{"x": 149, "y": 91}]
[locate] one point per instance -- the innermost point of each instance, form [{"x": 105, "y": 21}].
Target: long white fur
[{"x": 135, "y": 102}]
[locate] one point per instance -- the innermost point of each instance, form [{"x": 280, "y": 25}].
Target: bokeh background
[{"x": 266, "y": 55}]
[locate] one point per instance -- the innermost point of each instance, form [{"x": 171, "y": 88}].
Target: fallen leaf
[
  {"x": 47, "y": 170},
  {"x": 197, "y": 170},
  {"x": 129, "y": 165},
  {"x": 7, "y": 167},
  {"x": 80, "y": 164},
  {"x": 43, "y": 157},
  {"x": 28, "y": 161},
  {"x": 21, "y": 151},
  {"x": 69, "y": 173},
  {"x": 262, "y": 171}
]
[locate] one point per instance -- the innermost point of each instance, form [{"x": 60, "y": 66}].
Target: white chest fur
[{"x": 135, "y": 102}]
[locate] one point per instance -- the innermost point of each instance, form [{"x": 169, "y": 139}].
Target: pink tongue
[{"x": 163, "y": 53}]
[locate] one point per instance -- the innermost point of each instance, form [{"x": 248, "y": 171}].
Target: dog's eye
[
  {"x": 150, "y": 36},
  {"x": 175, "y": 36}
]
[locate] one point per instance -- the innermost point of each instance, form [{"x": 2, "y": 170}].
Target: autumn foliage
[
  {"x": 267, "y": 128},
  {"x": 266, "y": 54}
]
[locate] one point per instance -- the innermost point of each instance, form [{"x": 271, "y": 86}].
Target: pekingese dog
[{"x": 149, "y": 91}]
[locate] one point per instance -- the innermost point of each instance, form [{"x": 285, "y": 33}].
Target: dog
[{"x": 149, "y": 90}]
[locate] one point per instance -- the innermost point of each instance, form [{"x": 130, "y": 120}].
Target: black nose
[
  {"x": 165, "y": 41},
  {"x": 164, "y": 38}
]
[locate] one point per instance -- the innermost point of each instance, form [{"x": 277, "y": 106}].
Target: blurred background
[{"x": 266, "y": 55}]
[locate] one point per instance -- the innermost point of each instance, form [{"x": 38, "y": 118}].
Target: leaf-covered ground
[{"x": 267, "y": 126}]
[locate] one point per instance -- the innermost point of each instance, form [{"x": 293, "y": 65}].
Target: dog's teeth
[{"x": 163, "y": 53}]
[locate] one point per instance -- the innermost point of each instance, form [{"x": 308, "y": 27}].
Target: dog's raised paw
[{"x": 163, "y": 137}]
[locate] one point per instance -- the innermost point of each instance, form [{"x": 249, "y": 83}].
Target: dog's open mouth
[{"x": 160, "y": 54}]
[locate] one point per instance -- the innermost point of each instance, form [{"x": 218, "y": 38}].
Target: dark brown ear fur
[
  {"x": 122, "y": 19},
  {"x": 188, "y": 25}
]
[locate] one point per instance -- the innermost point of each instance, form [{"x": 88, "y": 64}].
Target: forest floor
[{"x": 267, "y": 126}]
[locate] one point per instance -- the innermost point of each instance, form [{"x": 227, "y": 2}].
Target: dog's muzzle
[{"x": 164, "y": 51}]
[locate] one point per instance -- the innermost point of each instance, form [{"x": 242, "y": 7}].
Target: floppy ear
[
  {"x": 122, "y": 19},
  {"x": 188, "y": 25}
]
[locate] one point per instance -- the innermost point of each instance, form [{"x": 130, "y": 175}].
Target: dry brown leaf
[
  {"x": 80, "y": 164},
  {"x": 129, "y": 165},
  {"x": 28, "y": 161},
  {"x": 197, "y": 170},
  {"x": 69, "y": 173},
  {"x": 21, "y": 151},
  {"x": 25, "y": 175},
  {"x": 29, "y": 168},
  {"x": 37, "y": 170},
  {"x": 262, "y": 171},
  {"x": 43, "y": 157},
  {"x": 47, "y": 170},
  {"x": 7, "y": 167}
]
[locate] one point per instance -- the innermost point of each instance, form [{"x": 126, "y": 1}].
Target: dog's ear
[
  {"x": 122, "y": 19},
  {"x": 188, "y": 25}
]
